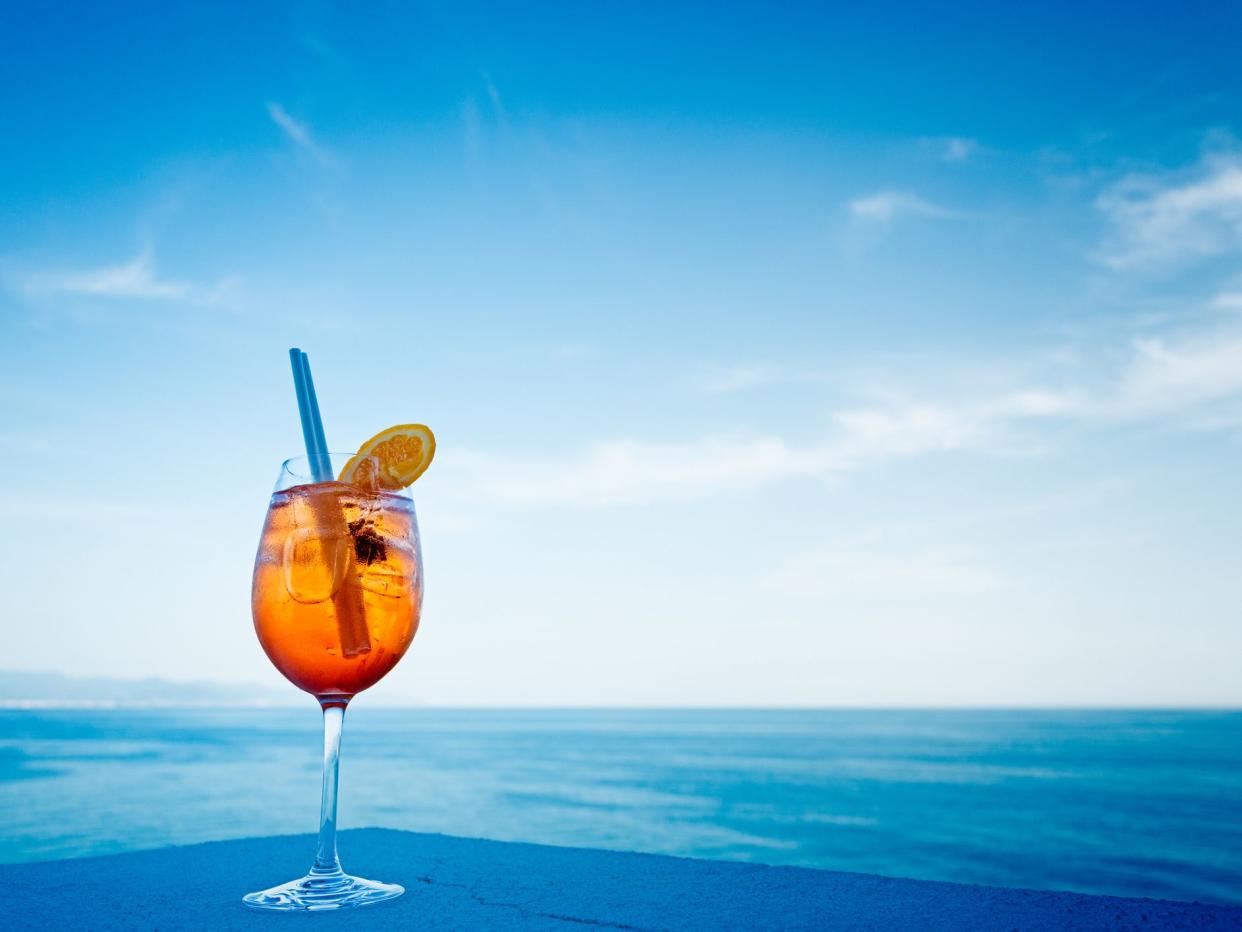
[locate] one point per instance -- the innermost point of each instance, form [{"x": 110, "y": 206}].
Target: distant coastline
[
  {"x": 35, "y": 690},
  {"x": 50, "y": 691},
  {"x": 88, "y": 704}
]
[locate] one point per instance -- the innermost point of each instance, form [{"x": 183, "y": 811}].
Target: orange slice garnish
[{"x": 392, "y": 459}]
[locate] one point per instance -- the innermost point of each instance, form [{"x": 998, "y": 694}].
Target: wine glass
[{"x": 336, "y": 597}]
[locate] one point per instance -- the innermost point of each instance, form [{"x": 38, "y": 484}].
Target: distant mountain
[{"x": 56, "y": 690}]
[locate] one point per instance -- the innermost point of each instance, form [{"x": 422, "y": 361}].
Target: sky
[{"x": 838, "y": 355}]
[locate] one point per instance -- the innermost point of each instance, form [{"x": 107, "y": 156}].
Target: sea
[{"x": 1135, "y": 803}]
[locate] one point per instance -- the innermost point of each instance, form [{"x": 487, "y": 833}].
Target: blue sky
[{"x": 874, "y": 355}]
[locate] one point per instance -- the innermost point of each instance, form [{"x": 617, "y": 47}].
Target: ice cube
[
  {"x": 395, "y": 574},
  {"x": 315, "y": 563}
]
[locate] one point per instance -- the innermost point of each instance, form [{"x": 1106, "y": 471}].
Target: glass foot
[{"x": 323, "y": 891}]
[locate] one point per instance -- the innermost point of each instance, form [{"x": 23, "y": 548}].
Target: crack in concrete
[{"x": 522, "y": 908}]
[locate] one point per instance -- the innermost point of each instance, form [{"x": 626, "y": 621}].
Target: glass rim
[
  {"x": 304, "y": 459},
  {"x": 297, "y": 469}
]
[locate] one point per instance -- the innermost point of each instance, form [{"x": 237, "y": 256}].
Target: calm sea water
[{"x": 1135, "y": 803}]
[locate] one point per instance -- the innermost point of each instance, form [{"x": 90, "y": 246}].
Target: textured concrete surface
[{"x": 462, "y": 883}]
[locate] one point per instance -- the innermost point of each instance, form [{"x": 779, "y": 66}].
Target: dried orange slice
[{"x": 392, "y": 459}]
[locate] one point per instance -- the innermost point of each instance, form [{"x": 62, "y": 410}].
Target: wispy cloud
[
  {"x": 487, "y": 123},
  {"x": 631, "y": 471},
  {"x": 1175, "y": 217},
  {"x": 749, "y": 375},
  {"x": 299, "y": 133},
  {"x": 886, "y": 206},
  {"x": 634, "y": 471},
  {"x": 493, "y": 97},
  {"x": 951, "y": 148},
  {"x": 1189, "y": 378},
  {"x": 873, "y": 434},
  {"x": 1171, "y": 375},
  {"x": 737, "y": 378},
  {"x": 136, "y": 279},
  {"x": 133, "y": 279},
  {"x": 1228, "y": 300}
]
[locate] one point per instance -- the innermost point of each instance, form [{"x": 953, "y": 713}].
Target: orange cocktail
[
  {"x": 336, "y": 596},
  {"x": 337, "y": 585}
]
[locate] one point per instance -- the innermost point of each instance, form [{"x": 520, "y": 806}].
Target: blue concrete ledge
[{"x": 462, "y": 883}]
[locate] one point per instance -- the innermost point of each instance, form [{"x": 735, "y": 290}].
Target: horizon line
[{"x": 35, "y": 705}]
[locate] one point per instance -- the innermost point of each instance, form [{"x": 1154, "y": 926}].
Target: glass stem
[{"x": 326, "y": 861}]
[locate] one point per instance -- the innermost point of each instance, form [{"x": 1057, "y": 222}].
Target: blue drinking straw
[
  {"x": 321, "y": 441},
  {"x": 312, "y": 424}
]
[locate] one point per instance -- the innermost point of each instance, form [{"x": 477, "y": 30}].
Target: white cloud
[
  {"x": 1035, "y": 402},
  {"x": 1228, "y": 301},
  {"x": 951, "y": 148},
  {"x": 1166, "y": 376},
  {"x": 493, "y": 96},
  {"x": 737, "y": 378},
  {"x": 133, "y": 279},
  {"x": 898, "y": 430},
  {"x": 136, "y": 279},
  {"x": 624, "y": 472},
  {"x": 1189, "y": 378},
  {"x": 632, "y": 471},
  {"x": 957, "y": 149},
  {"x": 298, "y": 133},
  {"x": 881, "y": 433},
  {"x": 885, "y": 206},
  {"x": 1165, "y": 219},
  {"x": 754, "y": 375}
]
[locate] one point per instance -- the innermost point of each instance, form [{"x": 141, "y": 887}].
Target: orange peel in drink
[{"x": 392, "y": 459}]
